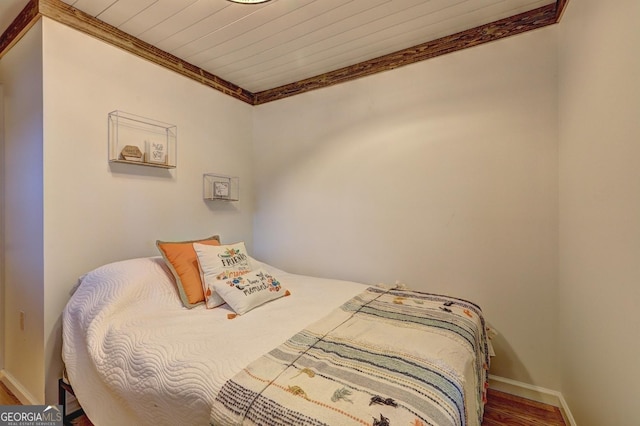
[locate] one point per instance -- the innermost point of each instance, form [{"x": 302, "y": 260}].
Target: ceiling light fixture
[{"x": 248, "y": 1}]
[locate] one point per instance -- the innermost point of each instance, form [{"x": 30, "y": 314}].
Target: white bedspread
[{"x": 135, "y": 356}]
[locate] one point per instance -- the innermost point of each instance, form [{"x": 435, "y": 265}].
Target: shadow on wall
[
  {"x": 118, "y": 169},
  {"x": 53, "y": 360},
  {"x": 222, "y": 206},
  {"x": 506, "y": 363}
]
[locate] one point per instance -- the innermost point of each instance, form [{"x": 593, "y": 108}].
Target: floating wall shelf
[
  {"x": 220, "y": 187},
  {"x": 141, "y": 141}
]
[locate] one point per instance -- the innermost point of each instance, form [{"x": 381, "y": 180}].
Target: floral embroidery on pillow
[
  {"x": 248, "y": 291},
  {"x": 228, "y": 274},
  {"x": 274, "y": 284},
  {"x": 265, "y": 281},
  {"x": 232, "y": 256}
]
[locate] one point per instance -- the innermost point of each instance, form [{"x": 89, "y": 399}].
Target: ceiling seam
[
  {"x": 74, "y": 18},
  {"x": 517, "y": 24}
]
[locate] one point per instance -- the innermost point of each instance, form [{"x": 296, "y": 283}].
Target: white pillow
[
  {"x": 220, "y": 263},
  {"x": 250, "y": 290}
]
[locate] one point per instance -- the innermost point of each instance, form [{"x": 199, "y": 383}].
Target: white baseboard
[
  {"x": 24, "y": 396},
  {"x": 535, "y": 393}
]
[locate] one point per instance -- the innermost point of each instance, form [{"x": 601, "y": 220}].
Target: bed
[{"x": 333, "y": 352}]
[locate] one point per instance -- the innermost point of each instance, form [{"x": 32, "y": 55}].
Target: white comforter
[{"x": 135, "y": 356}]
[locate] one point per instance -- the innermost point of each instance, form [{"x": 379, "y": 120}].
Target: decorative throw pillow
[
  {"x": 250, "y": 290},
  {"x": 183, "y": 264},
  {"x": 220, "y": 263}
]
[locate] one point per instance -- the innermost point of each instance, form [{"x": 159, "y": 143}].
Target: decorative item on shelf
[
  {"x": 131, "y": 153},
  {"x": 156, "y": 152},
  {"x": 220, "y": 187},
  {"x": 141, "y": 141}
]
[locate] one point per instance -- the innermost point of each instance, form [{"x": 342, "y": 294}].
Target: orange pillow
[{"x": 182, "y": 260}]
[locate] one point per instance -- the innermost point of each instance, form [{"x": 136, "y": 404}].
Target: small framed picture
[
  {"x": 156, "y": 152},
  {"x": 221, "y": 189}
]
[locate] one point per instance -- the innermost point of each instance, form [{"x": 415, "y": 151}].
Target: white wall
[
  {"x": 94, "y": 212},
  {"x": 442, "y": 174},
  {"x": 599, "y": 87},
  {"x": 448, "y": 182},
  {"x": 21, "y": 77},
  {"x": 2, "y": 204}
]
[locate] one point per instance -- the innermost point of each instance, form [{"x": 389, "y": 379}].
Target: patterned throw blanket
[{"x": 386, "y": 357}]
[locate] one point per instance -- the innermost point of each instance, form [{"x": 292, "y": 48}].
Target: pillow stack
[
  {"x": 221, "y": 263},
  {"x": 213, "y": 274},
  {"x": 182, "y": 261}
]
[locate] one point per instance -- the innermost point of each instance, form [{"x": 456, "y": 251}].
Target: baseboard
[
  {"x": 535, "y": 393},
  {"x": 24, "y": 396}
]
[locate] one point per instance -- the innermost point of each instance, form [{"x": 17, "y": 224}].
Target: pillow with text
[
  {"x": 217, "y": 263},
  {"x": 246, "y": 292}
]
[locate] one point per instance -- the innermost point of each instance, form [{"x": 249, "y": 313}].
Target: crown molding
[
  {"x": 74, "y": 18},
  {"x": 527, "y": 21},
  {"x": 19, "y": 27}
]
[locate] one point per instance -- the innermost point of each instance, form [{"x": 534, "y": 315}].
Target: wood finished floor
[
  {"x": 6, "y": 397},
  {"x": 502, "y": 409}
]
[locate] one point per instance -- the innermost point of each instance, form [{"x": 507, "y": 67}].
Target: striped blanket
[{"x": 384, "y": 358}]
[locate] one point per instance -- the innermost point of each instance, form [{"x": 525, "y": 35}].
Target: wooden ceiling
[{"x": 260, "y": 53}]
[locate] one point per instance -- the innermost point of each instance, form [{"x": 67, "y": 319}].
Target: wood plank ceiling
[{"x": 259, "y": 53}]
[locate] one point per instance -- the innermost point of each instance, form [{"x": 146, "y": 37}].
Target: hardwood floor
[
  {"x": 6, "y": 397},
  {"x": 502, "y": 409}
]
